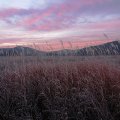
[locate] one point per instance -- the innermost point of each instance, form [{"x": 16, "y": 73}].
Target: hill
[
  {"x": 110, "y": 48},
  {"x": 20, "y": 50}
]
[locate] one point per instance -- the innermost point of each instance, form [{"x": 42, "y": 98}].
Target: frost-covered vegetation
[{"x": 60, "y": 88}]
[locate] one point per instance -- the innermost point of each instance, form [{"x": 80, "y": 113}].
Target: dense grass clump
[{"x": 61, "y": 91}]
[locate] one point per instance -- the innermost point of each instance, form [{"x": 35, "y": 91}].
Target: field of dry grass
[{"x": 74, "y": 88}]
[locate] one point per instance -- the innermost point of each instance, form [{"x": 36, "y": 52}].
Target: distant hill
[
  {"x": 110, "y": 48},
  {"x": 19, "y": 51}
]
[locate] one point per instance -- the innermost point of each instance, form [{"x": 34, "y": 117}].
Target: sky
[{"x": 48, "y": 24}]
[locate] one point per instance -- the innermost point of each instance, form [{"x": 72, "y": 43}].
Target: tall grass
[{"x": 58, "y": 90}]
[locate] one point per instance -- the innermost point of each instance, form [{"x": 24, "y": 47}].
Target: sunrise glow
[{"x": 79, "y": 22}]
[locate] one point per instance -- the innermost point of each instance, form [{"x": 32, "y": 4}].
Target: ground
[{"x": 60, "y": 88}]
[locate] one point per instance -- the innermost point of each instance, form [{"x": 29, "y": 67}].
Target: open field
[{"x": 60, "y": 88}]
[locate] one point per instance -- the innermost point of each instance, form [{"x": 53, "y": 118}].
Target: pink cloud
[
  {"x": 113, "y": 24},
  {"x": 57, "y": 16},
  {"x": 37, "y": 17},
  {"x": 64, "y": 16},
  {"x": 8, "y": 12}
]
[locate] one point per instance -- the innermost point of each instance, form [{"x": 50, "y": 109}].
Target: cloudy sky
[{"x": 76, "y": 23}]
